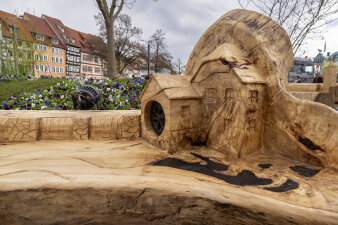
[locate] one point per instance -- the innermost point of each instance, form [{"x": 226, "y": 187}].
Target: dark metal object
[
  {"x": 157, "y": 117},
  {"x": 86, "y": 97}
]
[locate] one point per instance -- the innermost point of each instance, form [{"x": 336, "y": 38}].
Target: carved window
[
  {"x": 210, "y": 95},
  {"x": 252, "y": 126},
  {"x": 185, "y": 111},
  {"x": 253, "y": 96},
  {"x": 227, "y": 123},
  {"x": 229, "y": 95}
]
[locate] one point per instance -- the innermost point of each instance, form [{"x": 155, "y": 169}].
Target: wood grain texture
[
  {"x": 239, "y": 68},
  {"x": 119, "y": 182}
]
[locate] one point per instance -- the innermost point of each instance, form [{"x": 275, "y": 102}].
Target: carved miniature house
[
  {"x": 232, "y": 98},
  {"x": 178, "y": 115}
]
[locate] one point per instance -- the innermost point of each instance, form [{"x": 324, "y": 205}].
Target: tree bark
[
  {"x": 110, "y": 16},
  {"x": 112, "y": 73}
]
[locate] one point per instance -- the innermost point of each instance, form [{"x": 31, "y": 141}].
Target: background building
[
  {"x": 45, "y": 46},
  {"x": 73, "y": 48},
  {"x": 16, "y": 46},
  {"x": 91, "y": 54},
  {"x": 49, "y": 52}
]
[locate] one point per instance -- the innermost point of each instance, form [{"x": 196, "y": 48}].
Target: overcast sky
[{"x": 183, "y": 21}]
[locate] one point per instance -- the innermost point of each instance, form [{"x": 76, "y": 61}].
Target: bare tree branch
[{"x": 300, "y": 18}]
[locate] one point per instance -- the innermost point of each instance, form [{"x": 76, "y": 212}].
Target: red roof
[
  {"x": 4, "y": 16},
  {"x": 90, "y": 43},
  {"x": 40, "y": 26},
  {"x": 7, "y": 19},
  {"x": 67, "y": 32}
]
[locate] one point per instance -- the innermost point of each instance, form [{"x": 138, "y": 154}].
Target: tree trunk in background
[
  {"x": 110, "y": 14},
  {"x": 112, "y": 73}
]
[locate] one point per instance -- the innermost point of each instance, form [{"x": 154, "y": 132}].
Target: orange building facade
[
  {"x": 49, "y": 52},
  {"x": 48, "y": 47},
  {"x": 49, "y": 61}
]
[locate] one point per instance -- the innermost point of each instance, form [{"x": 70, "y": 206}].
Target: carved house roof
[{"x": 173, "y": 87}]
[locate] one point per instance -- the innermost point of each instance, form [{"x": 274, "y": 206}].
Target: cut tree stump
[{"x": 132, "y": 182}]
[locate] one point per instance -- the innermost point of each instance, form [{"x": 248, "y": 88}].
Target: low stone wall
[
  {"x": 22, "y": 126},
  {"x": 304, "y": 87}
]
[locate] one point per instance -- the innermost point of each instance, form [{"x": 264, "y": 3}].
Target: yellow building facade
[{"x": 49, "y": 61}]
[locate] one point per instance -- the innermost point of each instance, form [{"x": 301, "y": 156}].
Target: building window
[
  {"x": 10, "y": 52},
  {"x": 97, "y": 70},
  {"x": 42, "y": 48},
  {"x": 57, "y": 69},
  {"x": 56, "y": 59},
  {"x": 55, "y": 40},
  {"x": 41, "y": 57},
  {"x": 41, "y": 68},
  {"x": 28, "y": 56},
  {"x": 61, "y": 28},
  {"x": 57, "y": 50},
  {"x": 96, "y": 59},
  {"x": 40, "y": 37},
  {"x": 11, "y": 29}
]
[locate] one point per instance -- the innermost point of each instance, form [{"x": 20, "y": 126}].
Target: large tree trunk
[{"x": 111, "y": 53}]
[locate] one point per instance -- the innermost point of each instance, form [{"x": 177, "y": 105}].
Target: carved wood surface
[
  {"x": 71, "y": 125},
  {"x": 131, "y": 182}
]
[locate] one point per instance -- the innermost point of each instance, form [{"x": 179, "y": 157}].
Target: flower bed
[
  {"x": 122, "y": 94},
  {"x": 9, "y": 78}
]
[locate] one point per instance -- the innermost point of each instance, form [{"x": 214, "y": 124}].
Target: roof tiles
[
  {"x": 7, "y": 20},
  {"x": 65, "y": 34}
]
